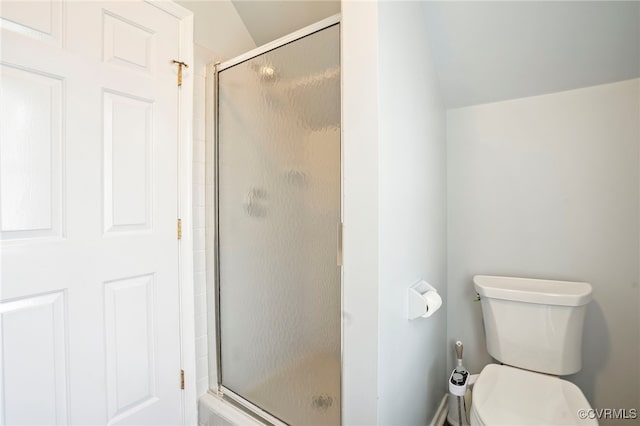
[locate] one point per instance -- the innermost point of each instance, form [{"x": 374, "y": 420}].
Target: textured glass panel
[{"x": 279, "y": 189}]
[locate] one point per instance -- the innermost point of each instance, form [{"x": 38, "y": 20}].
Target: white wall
[
  {"x": 548, "y": 187},
  {"x": 359, "y": 59},
  {"x": 412, "y": 217},
  {"x": 514, "y": 49},
  {"x": 394, "y": 371}
]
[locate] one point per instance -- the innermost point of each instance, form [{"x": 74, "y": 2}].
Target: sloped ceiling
[
  {"x": 483, "y": 51},
  {"x": 492, "y": 51},
  {"x": 219, "y": 28},
  {"x": 268, "y": 20}
]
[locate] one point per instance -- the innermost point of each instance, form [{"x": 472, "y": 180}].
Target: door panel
[
  {"x": 34, "y": 357},
  {"x": 88, "y": 201},
  {"x": 128, "y": 136},
  {"x": 30, "y": 155},
  {"x": 130, "y": 331},
  {"x": 40, "y": 20}
]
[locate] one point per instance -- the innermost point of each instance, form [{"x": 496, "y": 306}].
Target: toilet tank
[{"x": 534, "y": 324}]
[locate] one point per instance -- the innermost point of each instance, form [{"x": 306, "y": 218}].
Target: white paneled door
[{"x": 89, "y": 298}]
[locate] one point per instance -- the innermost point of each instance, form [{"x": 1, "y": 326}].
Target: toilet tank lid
[{"x": 528, "y": 290}]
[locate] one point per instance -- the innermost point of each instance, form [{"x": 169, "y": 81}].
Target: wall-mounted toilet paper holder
[{"x": 423, "y": 300}]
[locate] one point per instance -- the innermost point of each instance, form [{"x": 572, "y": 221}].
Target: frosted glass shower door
[{"x": 278, "y": 213}]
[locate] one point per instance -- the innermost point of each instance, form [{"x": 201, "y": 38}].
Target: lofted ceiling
[
  {"x": 267, "y": 20},
  {"x": 483, "y": 51},
  {"x": 491, "y": 51}
]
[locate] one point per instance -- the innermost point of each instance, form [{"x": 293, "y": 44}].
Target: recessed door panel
[
  {"x": 34, "y": 356},
  {"x": 127, "y": 43},
  {"x": 31, "y": 164},
  {"x": 41, "y": 20},
  {"x": 130, "y": 343},
  {"x": 128, "y": 144}
]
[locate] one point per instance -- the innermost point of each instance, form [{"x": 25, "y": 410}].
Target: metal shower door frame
[{"x": 221, "y": 391}]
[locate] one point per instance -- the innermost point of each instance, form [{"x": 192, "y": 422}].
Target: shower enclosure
[{"x": 278, "y": 226}]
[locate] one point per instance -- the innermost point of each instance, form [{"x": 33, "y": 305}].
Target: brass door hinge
[
  {"x": 179, "y": 229},
  {"x": 180, "y": 65},
  {"x": 181, "y": 379}
]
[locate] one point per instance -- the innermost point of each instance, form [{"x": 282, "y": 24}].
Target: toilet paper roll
[{"x": 433, "y": 301}]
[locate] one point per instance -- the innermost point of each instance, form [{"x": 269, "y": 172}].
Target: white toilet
[{"x": 533, "y": 327}]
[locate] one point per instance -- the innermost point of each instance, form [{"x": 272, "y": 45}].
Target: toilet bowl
[
  {"x": 510, "y": 396},
  {"x": 534, "y": 327}
]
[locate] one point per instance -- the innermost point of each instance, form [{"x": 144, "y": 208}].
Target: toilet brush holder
[
  {"x": 459, "y": 409},
  {"x": 458, "y": 386},
  {"x": 458, "y": 395},
  {"x": 458, "y": 383}
]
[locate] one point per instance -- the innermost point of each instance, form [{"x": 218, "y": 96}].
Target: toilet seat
[{"x": 506, "y": 395}]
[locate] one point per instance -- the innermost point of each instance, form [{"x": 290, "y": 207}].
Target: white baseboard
[{"x": 441, "y": 414}]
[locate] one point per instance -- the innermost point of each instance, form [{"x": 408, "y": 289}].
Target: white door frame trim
[{"x": 185, "y": 211}]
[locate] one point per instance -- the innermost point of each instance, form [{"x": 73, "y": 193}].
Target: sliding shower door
[{"x": 278, "y": 219}]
